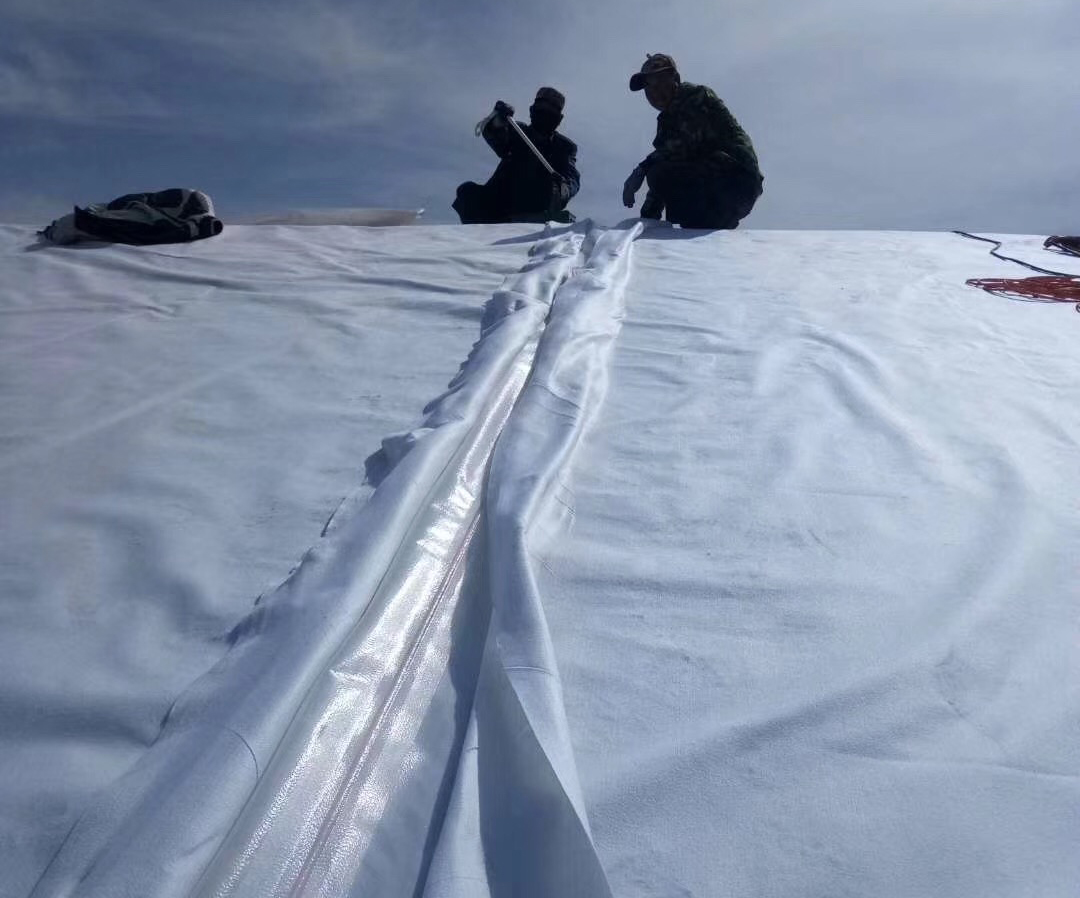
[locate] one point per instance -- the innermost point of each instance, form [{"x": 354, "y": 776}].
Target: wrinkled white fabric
[
  {"x": 816, "y": 616},
  {"x": 732, "y": 563},
  {"x": 312, "y": 718},
  {"x": 353, "y": 794},
  {"x": 517, "y": 825},
  {"x": 177, "y": 424}
]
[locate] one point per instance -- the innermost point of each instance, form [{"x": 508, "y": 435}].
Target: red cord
[{"x": 1044, "y": 288}]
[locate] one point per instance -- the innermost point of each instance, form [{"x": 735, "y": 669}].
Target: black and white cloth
[{"x": 176, "y": 215}]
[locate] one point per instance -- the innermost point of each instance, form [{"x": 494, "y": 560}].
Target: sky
[{"x": 907, "y": 114}]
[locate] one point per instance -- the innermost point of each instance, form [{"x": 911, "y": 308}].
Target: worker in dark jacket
[
  {"x": 522, "y": 189},
  {"x": 703, "y": 171}
]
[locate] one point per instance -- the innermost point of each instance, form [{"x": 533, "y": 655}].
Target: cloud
[
  {"x": 304, "y": 65},
  {"x": 864, "y": 115},
  {"x": 38, "y": 81},
  {"x": 914, "y": 113}
]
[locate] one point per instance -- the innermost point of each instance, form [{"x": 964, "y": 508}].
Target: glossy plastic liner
[{"x": 323, "y": 753}]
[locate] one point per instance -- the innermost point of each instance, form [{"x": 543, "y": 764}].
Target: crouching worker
[
  {"x": 522, "y": 188},
  {"x": 703, "y": 172}
]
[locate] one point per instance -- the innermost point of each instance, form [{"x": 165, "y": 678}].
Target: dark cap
[
  {"x": 654, "y": 62},
  {"x": 548, "y": 96}
]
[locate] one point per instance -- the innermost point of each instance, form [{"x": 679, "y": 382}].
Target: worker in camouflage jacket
[
  {"x": 703, "y": 172},
  {"x": 522, "y": 189}
]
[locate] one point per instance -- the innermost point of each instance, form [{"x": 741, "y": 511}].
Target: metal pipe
[{"x": 531, "y": 146}]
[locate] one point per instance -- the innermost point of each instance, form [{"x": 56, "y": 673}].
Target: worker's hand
[
  {"x": 494, "y": 126},
  {"x": 560, "y": 191},
  {"x": 632, "y": 186}
]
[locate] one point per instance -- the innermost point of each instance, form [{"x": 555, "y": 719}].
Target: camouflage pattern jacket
[{"x": 697, "y": 127}]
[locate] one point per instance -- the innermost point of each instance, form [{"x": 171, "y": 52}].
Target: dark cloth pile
[
  {"x": 1070, "y": 245},
  {"x": 176, "y": 215}
]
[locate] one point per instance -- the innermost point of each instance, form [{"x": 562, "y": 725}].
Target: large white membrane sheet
[
  {"x": 732, "y": 563},
  {"x": 178, "y": 424},
  {"x": 390, "y": 719},
  {"x": 816, "y": 615}
]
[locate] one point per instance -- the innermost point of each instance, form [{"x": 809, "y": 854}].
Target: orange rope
[
  {"x": 1045, "y": 288},
  {"x": 1052, "y": 286}
]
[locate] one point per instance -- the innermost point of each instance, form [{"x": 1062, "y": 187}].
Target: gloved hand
[
  {"x": 496, "y": 119},
  {"x": 560, "y": 191},
  {"x": 632, "y": 186}
]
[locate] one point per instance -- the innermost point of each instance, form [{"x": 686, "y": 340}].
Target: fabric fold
[
  {"x": 355, "y": 658},
  {"x": 517, "y": 824}
]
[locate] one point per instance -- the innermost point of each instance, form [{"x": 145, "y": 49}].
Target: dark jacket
[{"x": 522, "y": 182}]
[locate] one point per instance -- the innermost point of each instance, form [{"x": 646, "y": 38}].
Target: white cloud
[
  {"x": 41, "y": 82},
  {"x": 353, "y": 61},
  {"x": 872, "y": 114}
]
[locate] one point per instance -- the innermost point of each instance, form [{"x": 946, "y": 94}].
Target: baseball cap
[
  {"x": 548, "y": 96},
  {"x": 654, "y": 62}
]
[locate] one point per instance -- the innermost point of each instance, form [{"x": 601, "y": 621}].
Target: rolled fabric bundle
[{"x": 176, "y": 215}]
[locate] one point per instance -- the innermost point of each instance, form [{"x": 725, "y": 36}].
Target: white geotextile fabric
[
  {"x": 177, "y": 424},
  {"x": 817, "y": 613},
  {"x": 791, "y": 611}
]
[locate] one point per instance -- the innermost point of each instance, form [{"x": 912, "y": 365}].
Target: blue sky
[{"x": 921, "y": 114}]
